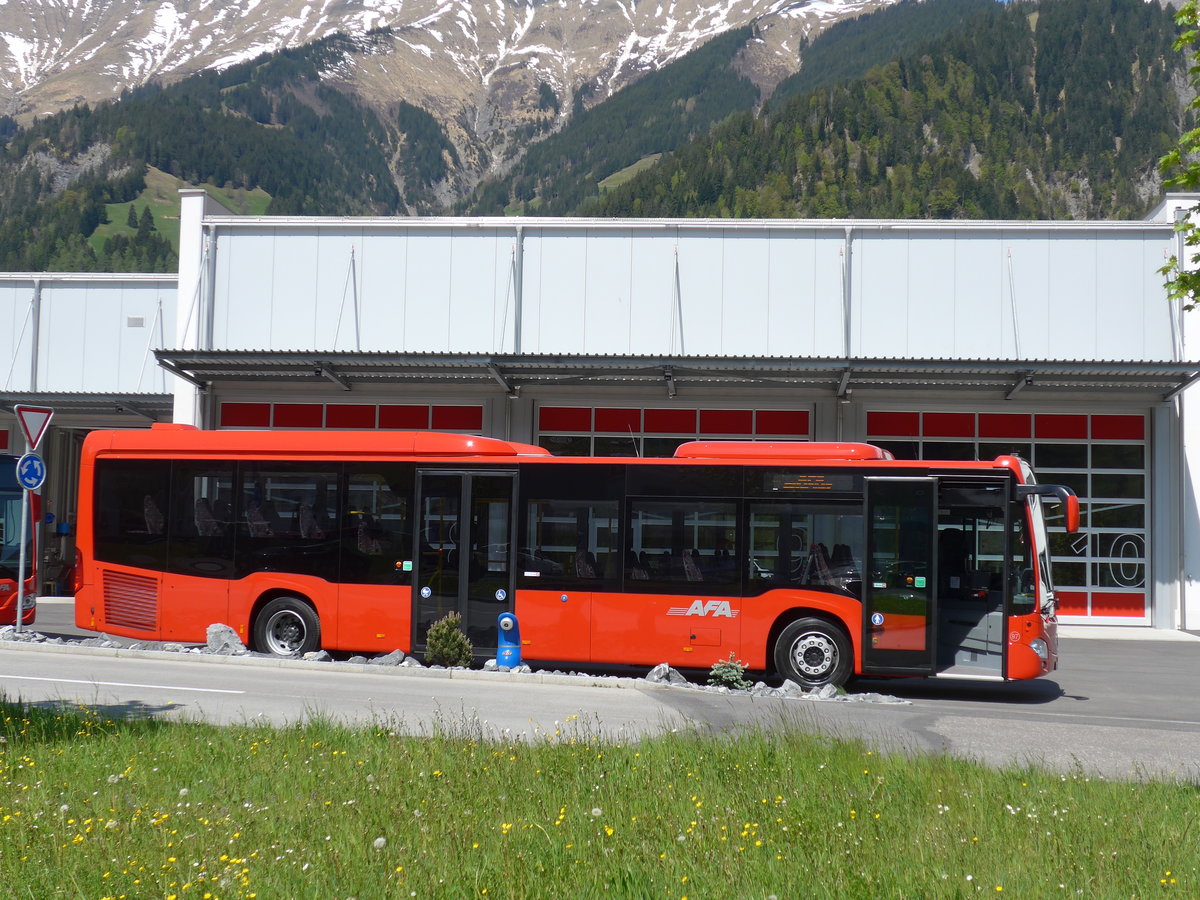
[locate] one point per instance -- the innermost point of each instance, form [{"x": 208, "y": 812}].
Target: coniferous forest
[
  {"x": 1059, "y": 110},
  {"x": 1036, "y": 109}
]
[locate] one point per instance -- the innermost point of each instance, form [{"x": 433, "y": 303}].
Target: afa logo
[{"x": 715, "y": 608}]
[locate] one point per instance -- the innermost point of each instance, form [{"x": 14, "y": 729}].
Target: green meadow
[{"x": 98, "y": 807}]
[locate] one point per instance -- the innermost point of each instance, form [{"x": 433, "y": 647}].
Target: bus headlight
[{"x": 1038, "y": 646}]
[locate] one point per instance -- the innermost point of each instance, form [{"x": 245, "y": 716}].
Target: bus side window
[
  {"x": 568, "y": 543},
  {"x": 817, "y": 546},
  {"x": 376, "y": 526},
  {"x": 201, "y": 539},
  {"x": 684, "y": 546},
  {"x": 285, "y": 511},
  {"x": 132, "y": 512}
]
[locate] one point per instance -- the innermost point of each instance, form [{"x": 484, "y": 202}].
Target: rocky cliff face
[{"x": 484, "y": 70}]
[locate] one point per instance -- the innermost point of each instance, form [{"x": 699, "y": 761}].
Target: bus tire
[
  {"x": 287, "y": 626},
  {"x": 813, "y": 652}
]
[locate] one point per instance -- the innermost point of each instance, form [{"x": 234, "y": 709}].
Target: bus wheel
[
  {"x": 287, "y": 627},
  {"x": 813, "y": 652}
]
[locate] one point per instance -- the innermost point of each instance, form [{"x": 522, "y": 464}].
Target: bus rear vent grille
[{"x": 131, "y": 601}]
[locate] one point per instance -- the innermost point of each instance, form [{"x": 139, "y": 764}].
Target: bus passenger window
[
  {"x": 683, "y": 546},
  {"x": 817, "y": 546},
  {"x": 376, "y": 530},
  {"x": 568, "y": 543},
  {"x": 288, "y": 511},
  {"x": 132, "y": 509},
  {"x": 201, "y": 530}
]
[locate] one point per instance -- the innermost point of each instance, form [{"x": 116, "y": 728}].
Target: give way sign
[{"x": 34, "y": 421}]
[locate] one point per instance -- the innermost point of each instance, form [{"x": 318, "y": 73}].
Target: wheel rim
[
  {"x": 286, "y": 633},
  {"x": 814, "y": 654}
]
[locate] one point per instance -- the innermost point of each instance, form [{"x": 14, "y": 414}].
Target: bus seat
[
  {"x": 367, "y": 542},
  {"x": 585, "y": 565},
  {"x": 153, "y": 515},
  {"x": 256, "y": 522},
  {"x": 308, "y": 523},
  {"x": 206, "y": 523}
]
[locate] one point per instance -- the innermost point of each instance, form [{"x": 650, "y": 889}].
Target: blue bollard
[{"x": 508, "y": 644}]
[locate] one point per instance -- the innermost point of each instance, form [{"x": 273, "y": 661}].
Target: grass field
[
  {"x": 91, "y": 807},
  {"x": 618, "y": 178},
  {"x": 162, "y": 196}
]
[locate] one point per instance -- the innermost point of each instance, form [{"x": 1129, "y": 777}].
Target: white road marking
[{"x": 160, "y": 687}]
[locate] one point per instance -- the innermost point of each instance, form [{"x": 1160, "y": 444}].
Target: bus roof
[
  {"x": 808, "y": 451},
  {"x": 186, "y": 441}
]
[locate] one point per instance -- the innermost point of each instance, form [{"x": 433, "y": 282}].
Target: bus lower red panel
[
  {"x": 371, "y": 618},
  {"x": 554, "y": 625},
  {"x": 648, "y": 629}
]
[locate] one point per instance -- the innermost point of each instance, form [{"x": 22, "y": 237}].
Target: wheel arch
[
  {"x": 274, "y": 593},
  {"x": 787, "y": 617}
]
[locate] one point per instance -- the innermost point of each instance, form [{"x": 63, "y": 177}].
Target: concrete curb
[{"x": 608, "y": 681}]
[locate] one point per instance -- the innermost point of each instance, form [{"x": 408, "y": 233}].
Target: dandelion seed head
[{"x": 379, "y": 843}]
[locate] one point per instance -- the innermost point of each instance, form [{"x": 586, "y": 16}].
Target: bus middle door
[
  {"x": 900, "y": 584},
  {"x": 464, "y": 526}
]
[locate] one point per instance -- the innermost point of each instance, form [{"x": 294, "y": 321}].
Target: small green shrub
[
  {"x": 446, "y": 645},
  {"x": 729, "y": 673}
]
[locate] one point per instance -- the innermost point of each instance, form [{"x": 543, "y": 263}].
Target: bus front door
[
  {"x": 900, "y": 587},
  {"x": 463, "y": 565}
]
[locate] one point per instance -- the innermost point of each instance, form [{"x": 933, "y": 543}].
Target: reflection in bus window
[{"x": 815, "y": 546}]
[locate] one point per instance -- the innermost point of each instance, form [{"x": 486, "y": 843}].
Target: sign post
[{"x": 31, "y": 474}]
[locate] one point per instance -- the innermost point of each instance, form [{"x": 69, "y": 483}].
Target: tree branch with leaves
[{"x": 1183, "y": 280}]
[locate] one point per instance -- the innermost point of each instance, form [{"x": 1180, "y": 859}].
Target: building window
[
  {"x": 387, "y": 416},
  {"x": 651, "y": 432}
]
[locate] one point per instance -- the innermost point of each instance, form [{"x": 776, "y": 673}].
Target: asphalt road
[{"x": 1116, "y": 707}]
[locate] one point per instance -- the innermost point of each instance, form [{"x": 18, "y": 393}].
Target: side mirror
[{"x": 1060, "y": 493}]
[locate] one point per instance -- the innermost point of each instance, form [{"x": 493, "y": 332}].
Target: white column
[
  {"x": 1189, "y": 474},
  {"x": 194, "y": 294}
]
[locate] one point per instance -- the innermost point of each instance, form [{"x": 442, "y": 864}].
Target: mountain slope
[
  {"x": 482, "y": 69},
  {"x": 656, "y": 115},
  {"x": 1056, "y": 109}
]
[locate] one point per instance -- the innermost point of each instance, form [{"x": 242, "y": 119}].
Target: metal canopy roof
[
  {"x": 511, "y": 372},
  {"x": 152, "y": 407}
]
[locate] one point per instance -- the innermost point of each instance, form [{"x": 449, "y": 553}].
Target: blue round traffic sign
[{"x": 31, "y": 471}]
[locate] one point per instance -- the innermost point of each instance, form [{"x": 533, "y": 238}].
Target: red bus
[
  {"x": 12, "y": 500},
  {"x": 812, "y": 561}
]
